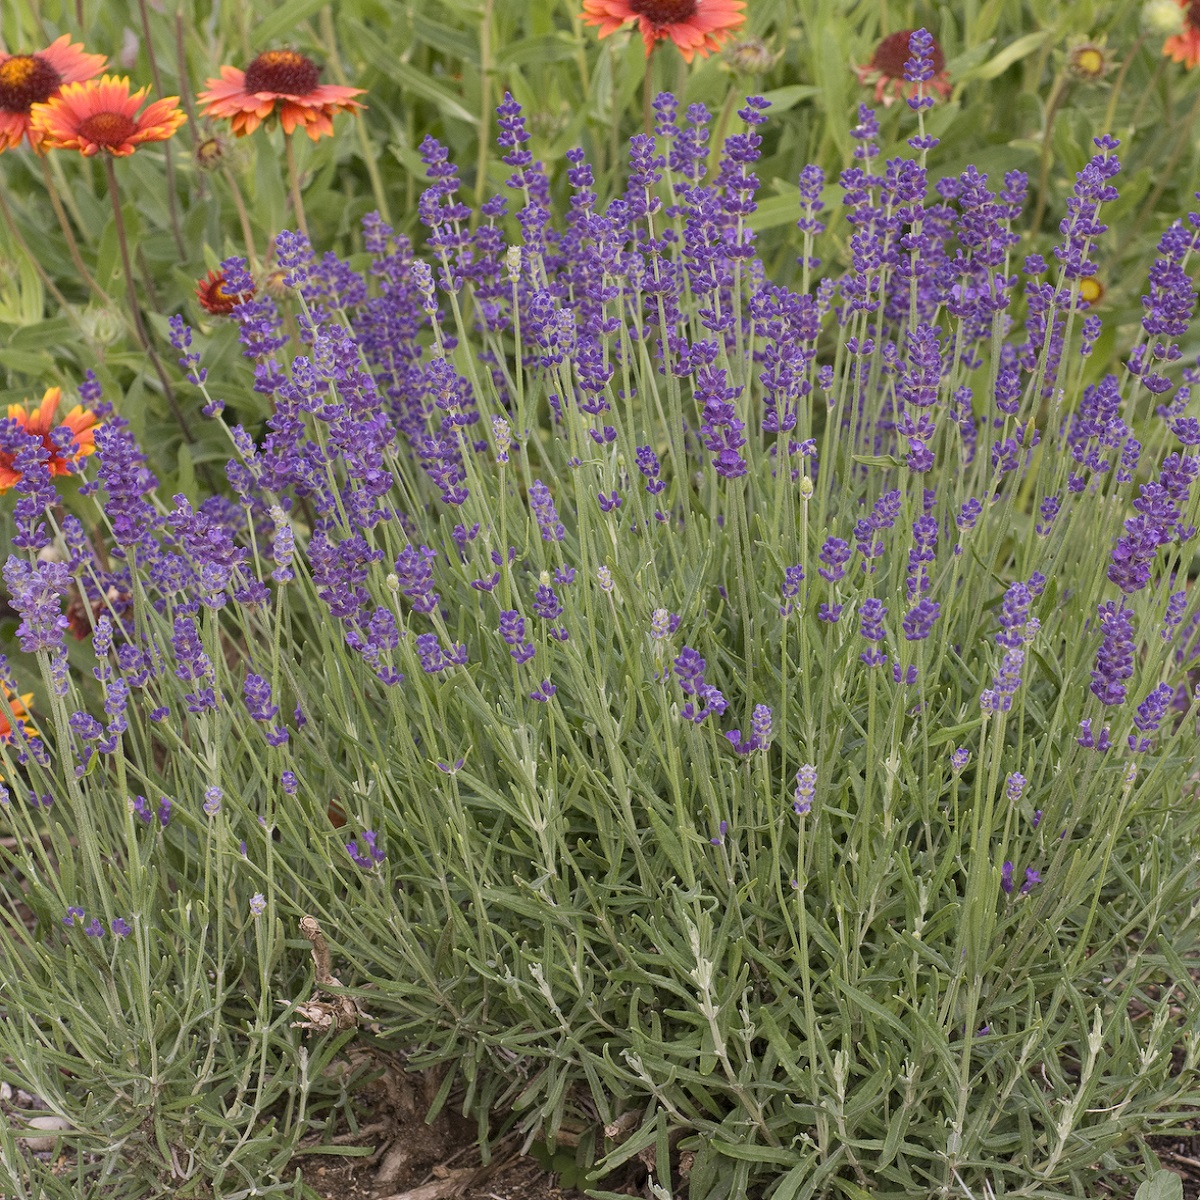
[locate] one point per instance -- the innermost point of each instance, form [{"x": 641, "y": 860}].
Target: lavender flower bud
[{"x": 806, "y": 789}]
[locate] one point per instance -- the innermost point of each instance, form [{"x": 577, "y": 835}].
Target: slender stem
[
  {"x": 1148, "y": 91},
  {"x": 1168, "y": 170},
  {"x": 131, "y": 291},
  {"x": 365, "y": 145},
  {"x": 68, "y": 234},
  {"x": 718, "y": 141},
  {"x": 485, "y": 108},
  {"x": 244, "y": 217},
  {"x": 185, "y": 88},
  {"x": 648, "y": 98},
  {"x": 1111, "y": 111},
  {"x": 172, "y": 197},
  {"x": 1052, "y": 106},
  {"x": 23, "y": 246},
  {"x": 294, "y": 184}
]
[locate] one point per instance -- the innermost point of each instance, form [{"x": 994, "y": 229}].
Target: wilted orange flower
[
  {"x": 213, "y": 297},
  {"x": 1184, "y": 46},
  {"x": 41, "y": 423},
  {"x": 20, "y": 710},
  {"x": 29, "y": 79},
  {"x": 103, "y": 115},
  {"x": 695, "y": 26},
  {"x": 885, "y": 71},
  {"x": 278, "y": 82}
]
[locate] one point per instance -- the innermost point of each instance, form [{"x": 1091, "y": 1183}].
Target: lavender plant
[{"x": 766, "y": 711}]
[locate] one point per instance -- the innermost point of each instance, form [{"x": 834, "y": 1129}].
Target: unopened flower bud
[
  {"x": 512, "y": 260},
  {"x": 503, "y": 433},
  {"x": 210, "y": 153},
  {"x": 100, "y": 326},
  {"x": 1162, "y": 18},
  {"x": 750, "y": 56},
  {"x": 1088, "y": 60},
  {"x": 422, "y": 276},
  {"x": 806, "y": 488},
  {"x": 393, "y": 582}
]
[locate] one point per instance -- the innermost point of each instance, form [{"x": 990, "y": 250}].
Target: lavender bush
[{"x": 763, "y": 711}]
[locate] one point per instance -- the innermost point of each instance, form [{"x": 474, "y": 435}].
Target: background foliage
[{"x": 554, "y": 931}]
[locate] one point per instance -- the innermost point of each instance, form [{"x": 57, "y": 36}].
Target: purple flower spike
[
  {"x": 365, "y": 853},
  {"x": 545, "y": 513},
  {"x": 1114, "y": 659}
]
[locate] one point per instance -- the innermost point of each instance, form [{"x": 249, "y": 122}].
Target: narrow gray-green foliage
[{"x": 594, "y": 712}]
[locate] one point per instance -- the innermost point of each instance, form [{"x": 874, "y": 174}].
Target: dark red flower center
[
  {"x": 26, "y": 79},
  {"x": 283, "y": 72},
  {"x": 664, "y": 12},
  {"x": 107, "y": 129},
  {"x": 892, "y": 53},
  {"x": 1192, "y": 15}
]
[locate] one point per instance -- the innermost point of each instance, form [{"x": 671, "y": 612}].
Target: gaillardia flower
[
  {"x": 102, "y": 114},
  {"x": 885, "y": 71},
  {"x": 41, "y": 423},
  {"x": 279, "y": 83},
  {"x": 29, "y": 79},
  {"x": 1184, "y": 47},
  {"x": 20, "y": 710},
  {"x": 213, "y": 297},
  {"x": 695, "y": 26}
]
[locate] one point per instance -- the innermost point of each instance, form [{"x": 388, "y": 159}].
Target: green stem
[
  {"x": 69, "y": 235},
  {"x": 172, "y": 196},
  {"x": 1110, "y": 112},
  {"x": 365, "y": 145},
  {"x": 1052, "y": 107},
  {"x": 294, "y": 184},
  {"x": 243, "y": 217},
  {"x": 1182, "y": 141},
  {"x": 648, "y": 98},
  {"x": 714, "y": 154},
  {"x": 485, "y": 107},
  {"x": 135, "y": 309},
  {"x": 23, "y": 246},
  {"x": 185, "y": 88}
]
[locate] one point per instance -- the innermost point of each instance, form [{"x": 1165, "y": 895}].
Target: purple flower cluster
[
  {"x": 707, "y": 700},
  {"x": 365, "y": 851}
]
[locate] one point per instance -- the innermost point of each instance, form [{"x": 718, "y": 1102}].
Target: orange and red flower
[
  {"x": 20, "y": 710},
  {"x": 279, "y": 83},
  {"x": 1184, "y": 46},
  {"x": 213, "y": 297},
  {"x": 695, "y": 26},
  {"x": 102, "y": 114},
  {"x": 41, "y": 423},
  {"x": 29, "y": 79},
  {"x": 885, "y": 71}
]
